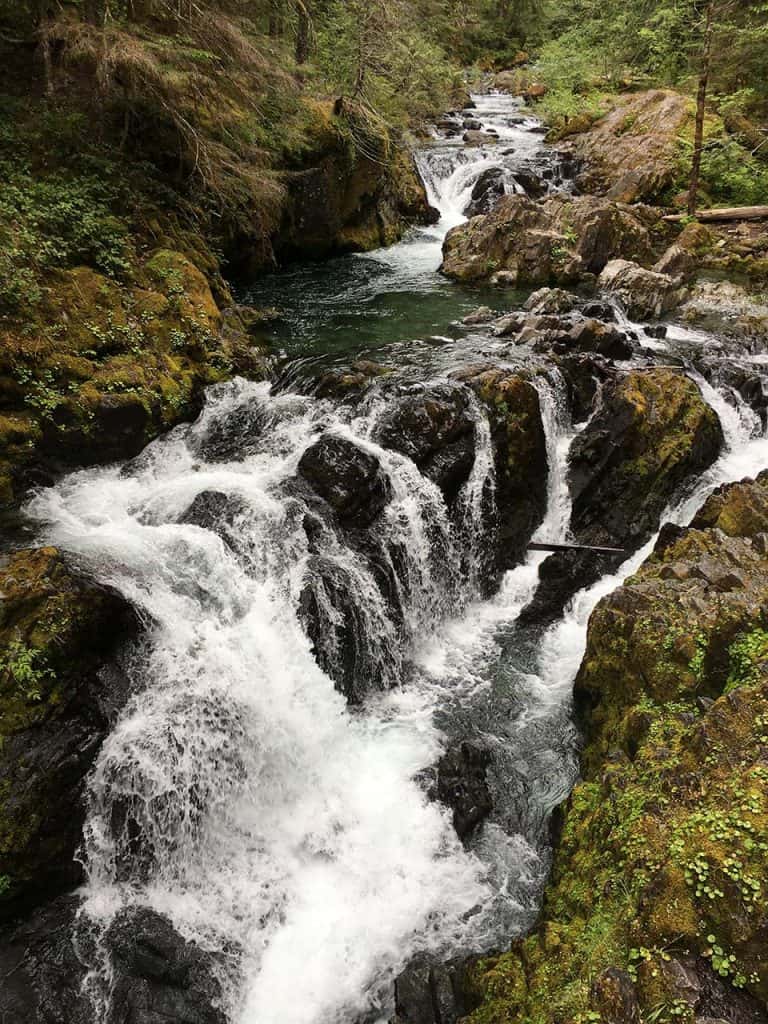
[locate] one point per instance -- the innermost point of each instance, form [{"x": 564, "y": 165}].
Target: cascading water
[{"x": 238, "y": 793}]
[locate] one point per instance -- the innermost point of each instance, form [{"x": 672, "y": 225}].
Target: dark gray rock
[
  {"x": 462, "y": 785},
  {"x": 347, "y": 477}
]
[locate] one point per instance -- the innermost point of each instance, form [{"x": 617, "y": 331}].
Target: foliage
[{"x": 27, "y": 667}]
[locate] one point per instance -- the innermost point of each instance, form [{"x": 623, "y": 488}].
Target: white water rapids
[{"x": 238, "y": 793}]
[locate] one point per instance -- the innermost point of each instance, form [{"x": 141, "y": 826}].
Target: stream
[{"x": 280, "y": 828}]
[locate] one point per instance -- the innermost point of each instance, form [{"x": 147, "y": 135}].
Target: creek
[{"x": 282, "y": 829}]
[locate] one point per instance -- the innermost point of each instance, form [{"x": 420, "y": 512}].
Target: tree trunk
[
  {"x": 701, "y": 102},
  {"x": 302, "y": 32},
  {"x": 276, "y": 18}
]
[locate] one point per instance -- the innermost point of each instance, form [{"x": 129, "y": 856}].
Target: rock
[
  {"x": 462, "y": 785},
  {"x": 476, "y": 138},
  {"x": 347, "y": 477},
  {"x": 481, "y": 315},
  {"x": 158, "y": 975},
  {"x": 530, "y": 183},
  {"x": 551, "y": 300},
  {"x": 613, "y": 996},
  {"x": 558, "y": 240},
  {"x": 585, "y": 375},
  {"x": 535, "y": 91},
  {"x": 677, "y": 263},
  {"x": 218, "y": 512},
  {"x": 343, "y": 645},
  {"x": 434, "y": 993},
  {"x": 520, "y": 461},
  {"x": 504, "y": 279},
  {"x": 632, "y": 153},
  {"x": 232, "y": 434},
  {"x": 472, "y": 125},
  {"x": 489, "y": 188},
  {"x": 60, "y": 691},
  {"x": 604, "y": 339},
  {"x": 435, "y": 428},
  {"x": 599, "y": 310},
  {"x": 652, "y": 431},
  {"x": 671, "y": 698},
  {"x": 643, "y": 293}
]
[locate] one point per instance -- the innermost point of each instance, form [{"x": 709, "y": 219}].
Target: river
[{"x": 239, "y": 793}]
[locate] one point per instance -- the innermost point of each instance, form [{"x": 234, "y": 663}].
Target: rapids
[{"x": 239, "y": 794}]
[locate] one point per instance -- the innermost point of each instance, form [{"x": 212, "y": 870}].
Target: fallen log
[
  {"x": 577, "y": 547},
  {"x": 724, "y": 213}
]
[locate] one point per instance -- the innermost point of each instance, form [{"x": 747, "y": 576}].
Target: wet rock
[
  {"x": 60, "y": 691},
  {"x": 643, "y": 293},
  {"x": 215, "y": 511},
  {"x": 551, "y": 300},
  {"x": 520, "y": 460},
  {"x": 558, "y": 240},
  {"x": 334, "y": 621},
  {"x": 477, "y": 138},
  {"x": 159, "y": 976},
  {"x": 471, "y": 124},
  {"x": 530, "y": 182},
  {"x": 347, "y": 477},
  {"x": 652, "y": 431},
  {"x": 434, "y": 993},
  {"x": 604, "y": 339},
  {"x": 230, "y": 435},
  {"x": 462, "y": 785},
  {"x": 434, "y": 427},
  {"x": 43, "y": 966},
  {"x": 599, "y": 310},
  {"x": 488, "y": 189},
  {"x": 585, "y": 375},
  {"x": 482, "y": 315}
]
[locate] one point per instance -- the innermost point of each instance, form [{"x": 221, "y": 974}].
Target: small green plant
[{"x": 27, "y": 667}]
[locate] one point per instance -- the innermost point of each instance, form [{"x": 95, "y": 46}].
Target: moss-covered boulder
[
  {"x": 657, "y": 899},
  {"x": 652, "y": 431},
  {"x": 59, "y": 691},
  {"x": 560, "y": 240},
  {"x": 105, "y": 366},
  {"x": 520, "y": 459}
]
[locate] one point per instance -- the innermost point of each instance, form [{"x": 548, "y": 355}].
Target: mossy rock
[
  {"x": 58, "y": 631},
  {"x": 662, "y": 864}
]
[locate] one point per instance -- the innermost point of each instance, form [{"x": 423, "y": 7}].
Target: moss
[{"x": 663, "y": 855}]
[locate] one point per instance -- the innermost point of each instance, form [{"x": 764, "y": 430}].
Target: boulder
[
  {"x": 481, "y": 315},
  {"x": 488, "y": 189},
  {"x": 478, "y": 138},
  {"x": 551, "y": 300},
  {"x": 678, "y": 263},
  {"x": 156, "y": 975},
  {"x": 347, "y": 477},
  {"x": 61, "y": 688},
  {"x": 530, "y": 182},
  {"x": 434, "y": 993},
  {"x": 559, "y": 240},
  {"x": 632, "y": 153},
  {"x": 643, "y": 293},
  {"x": 433, "y": 426},
  {"x": 604, "y": 339},
  {"x": 520, "y": 461},
  {"x": 471, "y": 124},
  {"x": 652, "y": 432},
  {"x": 462, "y": 785}
]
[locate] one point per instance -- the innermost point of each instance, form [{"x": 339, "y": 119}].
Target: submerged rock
[
  {"x": 462, "y": 785},
  {"x": 60, "y": 691}
]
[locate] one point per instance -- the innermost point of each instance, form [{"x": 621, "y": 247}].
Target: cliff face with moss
[{"x": 656, "y": 908}]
